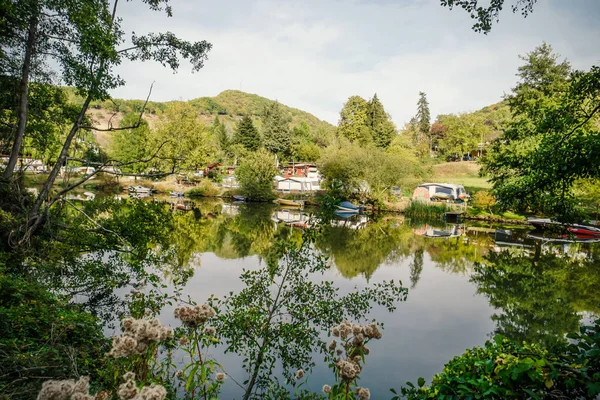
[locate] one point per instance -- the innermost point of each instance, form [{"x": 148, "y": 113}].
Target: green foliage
[
  {"x": 275, "y": 130},
  {"x": 131, "y": 144},
  {"x": 382, "y": 128},
  {"x": 308, "y": 152},
  {"x": 540, "y": 294},
  {"x": 278, "y": 318},
  {"x": 552, "y": 140},
  {"x": 485, "y": 16},
  {"x": 204, "y": 189},
  {"x": 247, "y": 135},
  {"x": 353, "y": 120},
  {"x": 43, "y": 336},
  {"x": 352, "y": 165},
  {"x": 506, "y": 370},
  {"x": 484, "y": 200},
  {"x": 365, "y": 122},
  {"x": 182, "y": 142},
  {"x": 220, "y": 132},
  {"x": 255, "y": 175},
  {"x": 422, "y": 210},
  {"x": 423, "y": 118}
]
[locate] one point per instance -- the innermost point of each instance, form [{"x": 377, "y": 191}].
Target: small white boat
[
  {"x": 140, "y": 189},
  {"x": 176, "y": 194}
]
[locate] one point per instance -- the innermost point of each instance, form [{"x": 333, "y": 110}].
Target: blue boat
[
  {"x": 345, "y": 214},
  {"x": 346, "y": 206}
]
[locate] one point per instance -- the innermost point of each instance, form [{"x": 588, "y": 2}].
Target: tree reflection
[{"x": 539, "y": 294}]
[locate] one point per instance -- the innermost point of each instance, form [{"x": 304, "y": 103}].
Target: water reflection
[
  {"x": 538, "y": 286},
  {"x": 467, "y": 281}
]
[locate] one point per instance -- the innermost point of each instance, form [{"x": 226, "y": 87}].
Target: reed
[{"x": 418, "y": 209}]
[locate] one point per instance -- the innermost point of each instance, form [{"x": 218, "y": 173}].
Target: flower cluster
[
  {"x": 66, "y": 390},
  {"x": 129, "y": 390},
  {"x": 138, "y": 335},
  {"x": 354, "y": 338},
  {"x": 363, "y": 393},
  {"x": 346, "y": 329},
  {"x": 194, "y": 316},
  {"x": 299, "y": 374}
]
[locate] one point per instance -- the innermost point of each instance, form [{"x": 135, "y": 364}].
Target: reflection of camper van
[{"x": 440, "y": 192}]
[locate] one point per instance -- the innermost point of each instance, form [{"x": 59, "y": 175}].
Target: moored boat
[
  {"x": 140, "y": 189},
  {"x": 176, "y": 194},
  {"x": 578, "y": 229},
  {"x": 290, "y": 203},
  {"x": 348, "y": 207},
  {"x": 239, "y": 198}
]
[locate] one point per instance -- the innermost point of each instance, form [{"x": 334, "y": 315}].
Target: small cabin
[{"x": 440, "y": 192}]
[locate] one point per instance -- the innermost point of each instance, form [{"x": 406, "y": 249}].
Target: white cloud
[{"x": 313, "y": 55}]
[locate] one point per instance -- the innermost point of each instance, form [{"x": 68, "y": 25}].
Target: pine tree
[
  {"x": 276, "y": 131},
  {"x": 378, "y": 121},
  {"x": 247, "y": 135},
  {"x": 220, "y": 133},
  {"x": 423, "y": 119}
]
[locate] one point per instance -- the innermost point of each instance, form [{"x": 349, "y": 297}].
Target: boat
[
  {"x": 578, "y": 229},
  {"x": 239, "y": 198},
  {"x": 346, "y": 206},
  {"x": 290, "y": 203},
  {"x": 563, "y": 238},
  {"x": 176, "y": 194},
  {"x": 140, "y": 189},
  {"x": 86, "y": 196},
  {"x": 344, "y": 214}
]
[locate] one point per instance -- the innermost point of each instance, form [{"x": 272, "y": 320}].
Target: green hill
[{"x": 230, "y": 105}]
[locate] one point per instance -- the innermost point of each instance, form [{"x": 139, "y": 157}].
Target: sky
[{"x": 314, "y": 54}]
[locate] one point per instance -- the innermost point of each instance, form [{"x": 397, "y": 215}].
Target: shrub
[
  {"x": 505, "y": 370},
  {"x": 205, "y": 189},
  {"x": 484, "y": 200},
  {"x": 43, "y": 337}
]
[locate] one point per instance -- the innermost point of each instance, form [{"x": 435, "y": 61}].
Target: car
[{"x": 467, "y": 157}]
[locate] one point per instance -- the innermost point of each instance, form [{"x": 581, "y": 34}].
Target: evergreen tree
[
  {"x": 423, "y": 120},
  {"x": 378, "y": 121},
  {"x": 276, "y": 131},
  {"x": 247, "y": 135},
  {"x": 220, "y": 133}
]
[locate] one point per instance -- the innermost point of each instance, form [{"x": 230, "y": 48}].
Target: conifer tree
[
  {"x": 378, "y": 121},
  {"x": 423, "y": 120},
  {"x": 247, "y": 135},
  {"x": 220, "y": 133},
  {"x": 276, "y": 131}
]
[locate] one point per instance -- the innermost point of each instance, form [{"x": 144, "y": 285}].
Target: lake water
[{"x": 466, "y": 282}]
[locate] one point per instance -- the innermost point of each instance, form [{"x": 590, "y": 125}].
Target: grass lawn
[{"x": 464, "y": 173}]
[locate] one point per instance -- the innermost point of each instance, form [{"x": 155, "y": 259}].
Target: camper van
[{"x": 440, "y": 192}]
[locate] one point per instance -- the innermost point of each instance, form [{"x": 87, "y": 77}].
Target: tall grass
[{"x": 419, "y": 209}]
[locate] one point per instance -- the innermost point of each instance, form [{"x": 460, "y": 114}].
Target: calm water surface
[{"x": 466, "y": 283}]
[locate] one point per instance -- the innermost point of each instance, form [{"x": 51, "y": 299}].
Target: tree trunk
[
  {"x": 23, "y": 107},
  {"x": 36, "y": 215}
]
